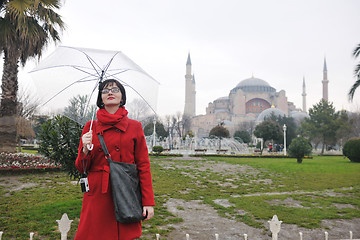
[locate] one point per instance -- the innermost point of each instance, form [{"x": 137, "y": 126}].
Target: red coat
[{"x": 126, "y": 143}]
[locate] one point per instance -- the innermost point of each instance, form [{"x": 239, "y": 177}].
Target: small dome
[
  {"x": 299, "y": 116},
  {"x": 222, "y": 99},
  {"x": 268, "y": 112},
  {"x": 254, "y": 85}
]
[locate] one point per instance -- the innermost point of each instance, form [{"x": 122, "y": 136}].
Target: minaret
[
  {"x": 304, "y": 96},
  {"x": 190, "y": 93},
  {"x": 325, "y": 83}
]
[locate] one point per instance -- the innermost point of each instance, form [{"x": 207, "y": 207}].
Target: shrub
[
  {"x": 157, "y": 149},
  {"x": 299, "y": 147},
  {"x": 243, "y": 136},
  {"x": 60, "y": 139},
  {"x": 351, "y": 149}
]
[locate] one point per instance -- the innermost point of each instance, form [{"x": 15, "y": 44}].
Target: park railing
[{"x": 275, "y": 227}]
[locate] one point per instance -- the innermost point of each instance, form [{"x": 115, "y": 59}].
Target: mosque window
[{"x": 257, "y": 105}]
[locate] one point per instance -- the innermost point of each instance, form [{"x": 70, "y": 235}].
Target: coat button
[
  {"x": 117, "y": 148},
  {"x": 100, "y": 149}
]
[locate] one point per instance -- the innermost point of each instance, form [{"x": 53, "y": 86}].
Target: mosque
[{"x": 250, "y": 101}]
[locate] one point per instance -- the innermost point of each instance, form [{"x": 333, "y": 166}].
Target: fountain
[{"x": 195, "y": 145}]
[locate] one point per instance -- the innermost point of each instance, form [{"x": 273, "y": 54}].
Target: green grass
[
  {"x": 243, "y": 182},
  {"x": 24, "y": 150},
  {"x": 306, "y": 183},
  {"x": 36, "y": 209}
]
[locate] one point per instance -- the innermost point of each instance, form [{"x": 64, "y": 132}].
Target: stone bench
[
  {"x": 221, "y": 151},
  {"x": 201, "y": 150}
]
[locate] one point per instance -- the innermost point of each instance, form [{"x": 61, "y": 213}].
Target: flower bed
[{"x": 25, "y": 161}]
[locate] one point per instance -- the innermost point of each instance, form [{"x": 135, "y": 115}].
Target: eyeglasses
[{"x": 113, "y": 90}]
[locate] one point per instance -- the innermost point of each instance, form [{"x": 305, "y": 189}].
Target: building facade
[
  {"x": 250, "y": 101},
  {"x": 244, "y": 103}
]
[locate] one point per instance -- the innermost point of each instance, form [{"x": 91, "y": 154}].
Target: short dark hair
[{"x": 106, "y": 83}]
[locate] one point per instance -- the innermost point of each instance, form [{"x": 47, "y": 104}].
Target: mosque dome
[
  {"x": 268, "y": 112},
  {"x": 222, "y": 99},
  {"x": 299, "y": 116},
  {"x": 254, "y": 85}
]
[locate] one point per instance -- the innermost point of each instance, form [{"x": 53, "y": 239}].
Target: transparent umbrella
[{"x": 71, "y": 73}]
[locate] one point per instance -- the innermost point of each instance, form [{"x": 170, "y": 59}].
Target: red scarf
[{"x": 107, "y": 120}]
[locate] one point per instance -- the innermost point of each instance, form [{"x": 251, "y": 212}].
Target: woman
[{"x": 125, "y": 141}]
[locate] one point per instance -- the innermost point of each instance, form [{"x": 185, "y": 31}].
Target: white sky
[{"x": 279, "y": 41}]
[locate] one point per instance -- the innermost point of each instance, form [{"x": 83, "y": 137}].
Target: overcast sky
[{"x": 279, "y": 41}]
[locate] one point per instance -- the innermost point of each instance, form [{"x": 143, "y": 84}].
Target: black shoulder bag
[{"x": 126, "y": 191}]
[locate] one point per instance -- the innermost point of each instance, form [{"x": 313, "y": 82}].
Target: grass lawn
[{"x": 310, "y": 192}]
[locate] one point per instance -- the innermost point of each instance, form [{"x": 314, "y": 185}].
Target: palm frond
[
  {"x": 353, "y": 88},
  {"x": 356, "y": 51},
  {"x": 357, "y": 70},
  {"x": 18, "y": 9}
]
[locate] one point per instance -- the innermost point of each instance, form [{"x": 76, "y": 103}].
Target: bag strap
[{"x": 103, "y": 145}]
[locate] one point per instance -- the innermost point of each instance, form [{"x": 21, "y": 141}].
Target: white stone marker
[
  {"x": 275, "y": 226},
  {"x": 64, "y": 226}
]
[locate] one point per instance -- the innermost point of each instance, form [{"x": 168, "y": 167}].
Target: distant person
[{"x": 125, "y": 141}]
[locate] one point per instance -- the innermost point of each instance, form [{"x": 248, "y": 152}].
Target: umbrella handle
[{"x": 90, "y": 147}]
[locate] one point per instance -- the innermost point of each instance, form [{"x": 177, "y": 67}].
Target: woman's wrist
[{"x": 85, "y": 150}]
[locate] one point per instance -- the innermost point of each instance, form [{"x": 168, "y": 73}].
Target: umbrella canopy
[{"x": 71, "y": 73}]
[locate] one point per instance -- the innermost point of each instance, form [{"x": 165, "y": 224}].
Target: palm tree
[
  {"x": 356, "y": 54},
  {"x": 26, "y": 27}
]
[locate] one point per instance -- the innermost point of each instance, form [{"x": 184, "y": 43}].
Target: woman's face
[{"x": 111, "y": 95}]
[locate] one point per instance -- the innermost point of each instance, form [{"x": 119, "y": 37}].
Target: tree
[
  {"x": 351, "y": 93},
  {"x": 170, "y": 129},
  {"x": 268, "y": 130},
  {"x": 248, "y": 125},
  {"x": 354, "y": 119},
  {"x": 323, "y": 123},
  {"x": 26, "y": 27},
  {"x": 78, "y": 109},
  {"x": 159, "y": 129},
  {"x": 179, "y": 121},
  {"x": 345, "y": 127},
  {"x": 138, "y": 109},
  {"x": 190, "y": 134},
  {"x": 299, "y": 148},
  {"x": 220, "y": 132},
  {"x": 38, "y": 121},
  {"x": 27, "y": 104},
  {"x": 242, "y": 135},
  {"x": 291, "y": 128},
  {"x": 59, "y": 141}
]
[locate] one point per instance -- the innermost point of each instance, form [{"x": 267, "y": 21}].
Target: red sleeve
[
  {"x": 143, "y": 165},
  {"x": 83, "y": 161}
]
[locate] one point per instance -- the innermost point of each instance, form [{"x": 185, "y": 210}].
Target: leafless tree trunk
[
  {"x": 138, "y": 109},
  {"x": 27, "y": 104}
]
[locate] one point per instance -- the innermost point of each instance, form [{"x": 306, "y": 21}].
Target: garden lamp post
[{"x": 284, "y": 128}]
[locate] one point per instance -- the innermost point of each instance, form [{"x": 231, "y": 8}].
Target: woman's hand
[
  {"x": 149, "y": 211},
  {"x": 86, "y": 140}
]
